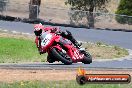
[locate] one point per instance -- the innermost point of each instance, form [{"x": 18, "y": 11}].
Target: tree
[
  {"x": 125, "y": 8},
  {"x": 87, "y": 5},
  {"x": 34, "y": 6}
]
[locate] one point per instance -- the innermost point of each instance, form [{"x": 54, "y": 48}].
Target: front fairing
[{"x": 47, "y": 40}]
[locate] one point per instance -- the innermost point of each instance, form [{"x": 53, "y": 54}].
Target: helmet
[{"x": 38, "y": 29}]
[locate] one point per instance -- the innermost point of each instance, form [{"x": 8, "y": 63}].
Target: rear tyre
[
  {"x": 87, "y": 58},
  {"x": 64, "y": 58}
]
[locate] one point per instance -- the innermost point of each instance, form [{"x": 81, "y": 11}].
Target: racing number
[
  {"x": 46, "y": 40},
  {"x": 77, "y": 55}
]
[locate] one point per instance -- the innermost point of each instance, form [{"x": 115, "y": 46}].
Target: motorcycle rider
[{"x": 39, "y": 29}]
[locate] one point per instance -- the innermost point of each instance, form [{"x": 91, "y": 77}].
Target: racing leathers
[{"x": 65, "y": 34}]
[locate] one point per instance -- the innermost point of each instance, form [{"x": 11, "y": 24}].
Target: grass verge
[
  {"x": 59, "y": 84},
  {"x": 16, "y": 48},
  {"x": 104, "y": 51}
]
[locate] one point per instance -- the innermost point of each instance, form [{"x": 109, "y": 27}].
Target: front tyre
[
  {"x": 50, "y": 59},
  {"x": 63, "y": 57},
  {"x": 87, "y": 57}
]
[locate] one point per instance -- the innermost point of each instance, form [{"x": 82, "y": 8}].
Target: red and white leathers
[{"x": 39, "y": 27}]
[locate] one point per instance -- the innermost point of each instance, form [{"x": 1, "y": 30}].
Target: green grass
[
  {"x": 18, "y": 50},
  {"x": 60, "y": 84}
]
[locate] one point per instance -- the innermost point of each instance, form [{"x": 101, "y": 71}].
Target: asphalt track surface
[{"x": 123, "y": 39}]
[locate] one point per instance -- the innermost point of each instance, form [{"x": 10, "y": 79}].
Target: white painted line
[
  {"x": 79, "y": 62},
  {"x": 5, "y": 30},
  {"x": 26, "y": 33},
  {"x": 15, "y": 32}
]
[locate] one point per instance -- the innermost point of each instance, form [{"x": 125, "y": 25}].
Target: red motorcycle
[{"x": 62, "y": 49}]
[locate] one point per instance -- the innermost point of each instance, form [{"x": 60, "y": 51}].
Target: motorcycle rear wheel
[
  {"x": 64, "y": 58},
  {"x": 87, "y": 57}
]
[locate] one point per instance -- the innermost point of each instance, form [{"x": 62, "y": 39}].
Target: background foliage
[{"x": 125, "y": 8}]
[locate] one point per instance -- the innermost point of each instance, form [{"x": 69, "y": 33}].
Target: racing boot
[
  {"x": 73, "y": 40},
  {"x": 69, "y": 36}
]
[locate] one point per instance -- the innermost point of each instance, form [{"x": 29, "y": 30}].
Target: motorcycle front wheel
[
  {"x": 63, "y": 57},
  {"x": 50, "y": 59}
]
